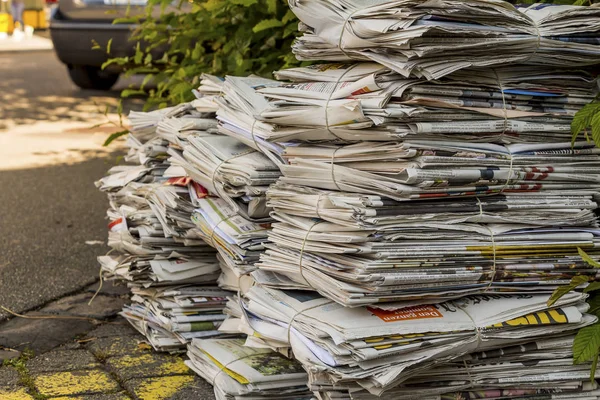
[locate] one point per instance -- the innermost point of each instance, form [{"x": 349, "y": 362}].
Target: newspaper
[
  {"x": 540, "y": 369},
  {"x": 433, "y": 39},
  {"x": 239, "y": 372},
  {"x": 172, "y": 316},
  {"x": 377, "y": 349},
  {"x": 163, "y": 257}
]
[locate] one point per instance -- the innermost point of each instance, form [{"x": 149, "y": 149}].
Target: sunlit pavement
[{"x": 49, "y": 159}]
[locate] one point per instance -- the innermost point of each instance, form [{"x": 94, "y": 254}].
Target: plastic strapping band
[
  {"x": 289, "y": 327},
  {"x": 494, "y": 259},
  {"x": 212, "y": 233},
  {"x": 254, "y": 136},
  {"x": 493, "y": 246},
  {"x": 329, "y": 99},
  {"x": 539, "y": 40},
  {"x": 475, "y": 328},
  {"x": 510, "y": 172},
  {"x": 224, "y": 367},
  {"x": 340, "y": 46},
  {"x": 467, "y": 369},
  {"x": 333, "y": 169},
  {"x": 319, "y": 204},
  {"x": 214, "y": 174},
  {"x": 301, "y": 270},
  {"x": 504, "y": 110}
]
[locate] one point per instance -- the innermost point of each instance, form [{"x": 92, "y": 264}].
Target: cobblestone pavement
[{"x": 88, "y": 353}]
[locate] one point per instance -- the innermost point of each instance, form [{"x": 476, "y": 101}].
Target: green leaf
[
  {"x": 289, "y": 16},
  {"x": 595, "y": 123},
  {"x": 586, "y": 257},
  {"x": 583, "y": 118},
  {"x": 592, "y": 287},
  {"x": 562, "y": 290},
  {"x": 139, "y": 54},
  {"x": 130, "y": 20},
  {"x": 114, "y": 136},
  {"x": 245, "y": 3},
  {"x": 132, "y": 92},
  {"x": 594, "y": 302},
  {"x": 272, "y": 6},
  {"x": 267, "y": 24},
  {"x": 586, "y": 344},
  {"x": 593, "y": 369},
  {"x": 108, "y": 44}
]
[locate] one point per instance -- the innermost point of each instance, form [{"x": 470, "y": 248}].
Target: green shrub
[{"x": 236, "y": 37}]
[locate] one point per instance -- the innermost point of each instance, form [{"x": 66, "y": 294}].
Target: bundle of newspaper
[
  {"x": 239, "y": 372},
  {"x": 360, "y": 249},
  {"x": 368, "y": 102},
  {"x": 163, "y": 257},
  {"x": 235, "y": 222},
  {"x": 182, "y": 312},
  {"x": 541, "y": 369},
  {"x": 434, "y": 38},
  {"x": 377, "y": 349}
]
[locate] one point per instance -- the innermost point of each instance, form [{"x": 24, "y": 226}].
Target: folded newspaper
[
  {"x": 163, "y": 257},
  {"x": 377, "y": 349},
  {"x": 239, "y": 372},
  {"x": 434, "y": 38}
]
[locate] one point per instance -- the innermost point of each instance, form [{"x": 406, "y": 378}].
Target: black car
[{"x": 76, "y": 24}]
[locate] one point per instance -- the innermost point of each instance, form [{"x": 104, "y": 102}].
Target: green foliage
[
  {"x": 586, "y": 346},
  {"x": 562, "y": 290},
  {"x": 586, "y": 118},
  {"x": 235, "y": 37},
  {"x": 589, "y": 260}
]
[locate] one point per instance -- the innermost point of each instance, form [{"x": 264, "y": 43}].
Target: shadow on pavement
[
  {"x": 47, "y": 215},
  {"x": 35, "y": 87}
]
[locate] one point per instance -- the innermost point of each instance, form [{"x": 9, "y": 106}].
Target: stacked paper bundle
[
  {"x": 494, "y": 374},
  {"x": 433, "y": 203},
  {"x": 434, "y": 38},
  {"x": 374, "y": 349},
  {"x": 163, "y": 258},
  {"x": 234, "y": 219},
  {"x": 370, "y": 244},
  {"x": 239, "y": 372}
]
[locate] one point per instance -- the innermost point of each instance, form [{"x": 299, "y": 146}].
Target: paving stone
[
  {"x": 62, "y": 360},
  {"x": 113, "y": 396},
  {"x": 146, "y": 365},
  {"x": 41, "y": 335},
  {"x": 77, "y": 305},
  {"x": 72, "y": 383},
  {"x": 111, "y": 288},
  {"x": 8, "y": 377},
  {"x": 8, "y": 355},
  {"x": 113, "y": 346},
  {"x": 74, "y": 345},
  {"x": 119, "y": 327},
  {"x": 15, "y": 394},
  {"x": 181, "y": 387},
  {"x": 200, "y": 389}
]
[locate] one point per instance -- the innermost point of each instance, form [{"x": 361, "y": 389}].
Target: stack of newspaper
[
  {"x": 542, "y": 369},
  {"x": 234, "y": 218},
  {"x": 163, "y": 257},
  {"x": 429, "y": 202},
  {"x": 375, "y": 349},
  {"x": 365, "y": 101},
  {"x": 239, "y": 372},
  {"x": 435, "y": 38}
]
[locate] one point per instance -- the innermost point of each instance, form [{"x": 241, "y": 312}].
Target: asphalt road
[{"x": 49, "y": 159}]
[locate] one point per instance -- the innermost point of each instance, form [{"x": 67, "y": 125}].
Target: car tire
[{"x": 88, "y": 77}]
